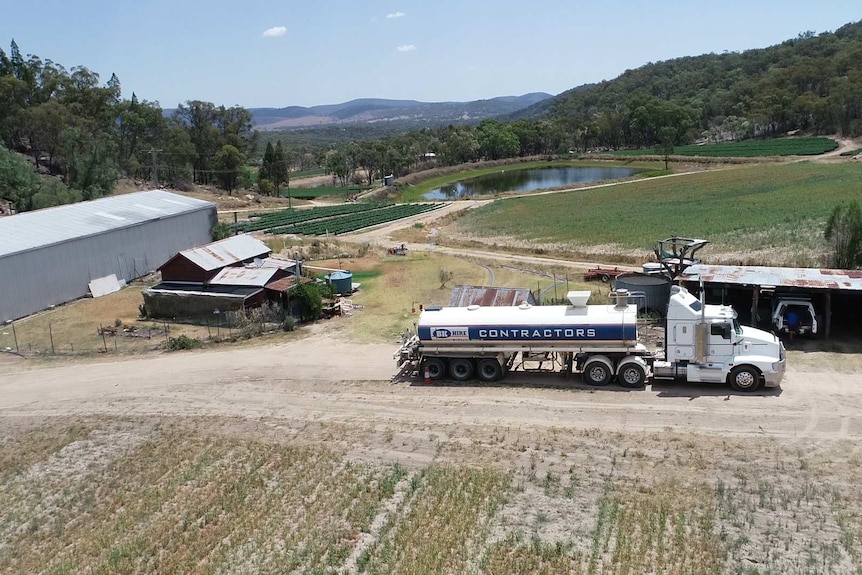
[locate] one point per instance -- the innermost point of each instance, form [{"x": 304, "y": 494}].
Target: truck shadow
[
  {"x": 694, "y": 390},
  {"x": 558, "y": 381}
]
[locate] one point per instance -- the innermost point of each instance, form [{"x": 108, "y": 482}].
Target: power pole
[{"x": 153, "y": 153}]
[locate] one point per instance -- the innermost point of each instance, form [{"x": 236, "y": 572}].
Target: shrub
[
  {"x": 289, "y": 323},
  {"x": 183, "y": 342}
]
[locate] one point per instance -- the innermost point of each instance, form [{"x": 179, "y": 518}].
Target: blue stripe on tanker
[{"x": 533, "y": 333}]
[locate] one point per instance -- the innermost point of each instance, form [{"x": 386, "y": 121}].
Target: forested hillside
[
  {"x": 812, "y": 83},
  {"x": 81, "y": 135}
]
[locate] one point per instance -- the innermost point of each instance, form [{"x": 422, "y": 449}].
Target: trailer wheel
[
  {"x": 436, "y": 368},
  {"x": 461, "y": 369},
  {"x": 597, "y": 373},
  {"x": 490, "y": 370},
  {"x": 744, "y": 378},
  {"x": 632, "y": 375},
  {"x": 605, "y": 278}
]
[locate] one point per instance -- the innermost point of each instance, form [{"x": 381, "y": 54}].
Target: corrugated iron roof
[
  {"x": 807, "y": 278},
  {"x": 244, "y": 276},
  {"x": 462, "y": 296},
  {"x": 283, "y": 284},
  {"x": 199, "y": 289},
  {"x": 226, "y": 252},
  {"x": 40, "y": 228}
]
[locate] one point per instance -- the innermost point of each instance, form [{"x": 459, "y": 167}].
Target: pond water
[{"x": 526, "y": 180}]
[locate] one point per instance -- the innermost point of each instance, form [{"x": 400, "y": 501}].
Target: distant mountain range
[{"x": 377, "y": 111}]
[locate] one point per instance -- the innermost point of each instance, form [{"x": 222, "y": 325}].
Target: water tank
[
  {"x": 341, "y": 282},
  {"x": 649, "y": 292}
]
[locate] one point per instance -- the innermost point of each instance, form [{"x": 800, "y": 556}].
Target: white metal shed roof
[
  {"x": 40, "y": 228},
  {"x": 243, "y": 276},
  {"x": 226, "y": 252}
]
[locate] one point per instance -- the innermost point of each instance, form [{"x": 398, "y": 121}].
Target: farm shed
[
  {"x": 182, "y": 300},
  {"x": 49, "y": 256},
  {"x": 232, "y": 288},
  {"x": 462, "y": 296},
  {"x": 836, "y": 294},
  {"x": 201, "y": 264}
]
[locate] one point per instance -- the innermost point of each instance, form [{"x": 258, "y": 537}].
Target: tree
[
  {"x": 47, "y": 122},
  {"x": 665, "y": 144},
  {"x": 336, "y": 164},
  {"x": 279, "y": 166},
  {"x": 18, "y": 181},
  {"x": 221, "y": 231},
  {"x": 88, "y": 161},
  {"x": 498, "y": 140},
  {"x": 444, "y": 276},
  {"x": 844, "y": 233},
  {"x": 267, "y": 167},
  {"x": 53, "y": 192},
  {"x": 229, "y": 162},
  {"x": 310, "y": 301}
]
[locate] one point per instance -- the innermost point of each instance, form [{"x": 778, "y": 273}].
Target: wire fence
[{"x": 34, "y": 339}]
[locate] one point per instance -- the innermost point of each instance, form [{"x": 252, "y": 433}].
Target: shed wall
[{"x": 34, "y": 280}]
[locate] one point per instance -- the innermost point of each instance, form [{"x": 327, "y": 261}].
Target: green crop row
[
  {"x": 267, "y": 220},
  {"x": 748, "y": 148},
  {"x": 351, "y": 222}
]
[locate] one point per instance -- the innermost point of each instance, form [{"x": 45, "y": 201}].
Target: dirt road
[{"x": 319, "y": 378}]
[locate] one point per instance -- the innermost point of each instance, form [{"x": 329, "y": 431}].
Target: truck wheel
[
  {"x": 461, "y": 369},
  {"x": 632, "y": 375},
  {"x": 597, "y": 373},
  {"x": 490, "y": 370},
  {"x": 744, "y": 378},
  {"x": 436, "y": 368}
]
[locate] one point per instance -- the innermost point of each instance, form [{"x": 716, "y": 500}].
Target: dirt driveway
[{"x": 321, "y": 378}]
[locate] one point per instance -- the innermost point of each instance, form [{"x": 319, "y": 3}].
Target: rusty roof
[
  {"x": 285, "y": 283},
  {"x": 807, "y": 278},
  {"x": 462, "y": 296},
  {"x": 226, "y": 252}
]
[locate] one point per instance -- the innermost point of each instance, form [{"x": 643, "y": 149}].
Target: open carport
[{"x": 753, "y": 290}]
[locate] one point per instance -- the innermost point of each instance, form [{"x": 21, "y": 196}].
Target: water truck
[{"x": 702, "y": 343}]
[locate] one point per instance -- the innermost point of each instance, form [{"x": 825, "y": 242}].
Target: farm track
[{"x": 324, "y": 379}]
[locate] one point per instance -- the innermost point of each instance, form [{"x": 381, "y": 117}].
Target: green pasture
[
  {"x": 778, "y": 204},
  {"x": 415, "y": 193},
  {"x": 298, "y": 175},
  {"x": 748, "y": 148}
]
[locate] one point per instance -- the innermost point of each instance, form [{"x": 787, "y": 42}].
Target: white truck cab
[{"x": 706, "y": 343}]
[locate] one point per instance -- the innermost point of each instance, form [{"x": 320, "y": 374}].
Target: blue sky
[{"x": 258, "y": 53}]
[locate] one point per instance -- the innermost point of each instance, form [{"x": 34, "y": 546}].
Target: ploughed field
[{"x": 309, "y": 459}]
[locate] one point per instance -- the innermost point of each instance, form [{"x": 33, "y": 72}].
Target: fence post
[
  {"x": 14, "y": 335},
  {"x": 51, "y": 335},
  {"x": 104, "y": 341}
]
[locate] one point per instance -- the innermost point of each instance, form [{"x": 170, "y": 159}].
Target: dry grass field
[{"x": 229, "y": 495}]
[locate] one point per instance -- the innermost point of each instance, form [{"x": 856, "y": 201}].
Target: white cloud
[
  {"x": 274, "y": 32},
  {"x": 396, "y": 15},
  {"x": 406, "y": 48}
]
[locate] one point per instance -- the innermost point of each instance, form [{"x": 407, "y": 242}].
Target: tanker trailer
[{"x": 703, "y": 343}]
